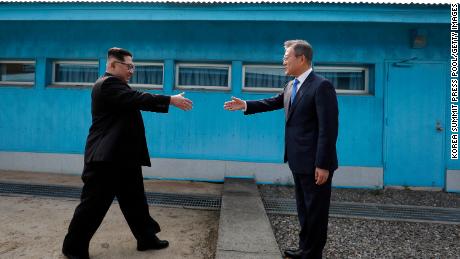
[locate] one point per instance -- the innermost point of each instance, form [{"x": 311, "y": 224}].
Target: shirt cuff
[{"x": 245, "y": 106}]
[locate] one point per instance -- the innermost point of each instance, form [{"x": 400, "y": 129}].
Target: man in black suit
[
  {"x": 311, "y": 129},
  {"x": 115, "y": 150}
]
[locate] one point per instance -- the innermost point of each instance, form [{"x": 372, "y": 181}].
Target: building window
[
  {"x": 75, "y": 73},
  {"x": 264, "y": 78},
  {"x": 147, "y": 75},
  {"x": 17, "y": 72},
  {"x": 346, "y": 79},
  {"x": 203, "y": 76}
]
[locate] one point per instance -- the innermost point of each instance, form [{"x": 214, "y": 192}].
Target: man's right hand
[
  {"x": 235, "y": 104},
  {"x": 181, "y": 102}
]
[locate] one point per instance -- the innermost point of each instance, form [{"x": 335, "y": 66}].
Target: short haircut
[
  {"x": 301, "y": 48},
  {"x": 118, "y": 53}
]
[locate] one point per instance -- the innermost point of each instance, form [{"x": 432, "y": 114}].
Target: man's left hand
[{"x": 321, "y": 176}]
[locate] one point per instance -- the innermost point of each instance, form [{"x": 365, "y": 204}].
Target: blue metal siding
[
  {"x": 43, "y": 119},
  {"x": 312, "y": 12}
]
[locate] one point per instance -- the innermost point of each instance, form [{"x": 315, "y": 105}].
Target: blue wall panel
[
  {"x": 43, "y": 119},
  {"x": 210, "y": 132},
  {"x": 312, "y": 12},
  {"x": 51, "y": 120}
]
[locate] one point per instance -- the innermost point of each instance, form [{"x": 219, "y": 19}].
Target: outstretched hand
[
  {"x": 234, "y": 104},
  {"x": 181, "y": 102}
]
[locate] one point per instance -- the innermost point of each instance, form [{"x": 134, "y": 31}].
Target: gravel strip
[
  {"x": 385, "y": 196},
  {"x": 361, "y": 238}
]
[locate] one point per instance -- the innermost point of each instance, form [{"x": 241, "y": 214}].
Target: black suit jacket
[
  {"x": 311, "y": 126},
  {"x": 117, "y": 132}
]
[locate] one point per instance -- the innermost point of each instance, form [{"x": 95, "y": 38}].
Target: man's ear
[{"x": 304, "y": 59}]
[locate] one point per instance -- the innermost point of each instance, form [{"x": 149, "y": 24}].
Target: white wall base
[
  {"x": 453, "y": 181},
  {"x": 190, "y": 169},
  {"x": 359, "y": 177}
]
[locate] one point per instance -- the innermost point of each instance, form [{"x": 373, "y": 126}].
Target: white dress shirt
[{"x": 303, "y": 77}]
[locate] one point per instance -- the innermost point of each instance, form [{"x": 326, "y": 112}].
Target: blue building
[{"x": 389, "y": 62}]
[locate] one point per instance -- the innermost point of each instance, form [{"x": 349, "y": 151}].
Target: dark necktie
[{"x": 294, "y": 90}]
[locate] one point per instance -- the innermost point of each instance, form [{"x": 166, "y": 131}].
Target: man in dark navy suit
[
  {"x": 115, "y": 150},
  {"x": 311, "y": 129}
]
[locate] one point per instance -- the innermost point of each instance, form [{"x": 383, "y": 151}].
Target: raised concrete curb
[{"x": 244, "y": 229}]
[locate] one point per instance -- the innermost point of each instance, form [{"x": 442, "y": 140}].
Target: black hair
[{"x": 118, "y": 53}]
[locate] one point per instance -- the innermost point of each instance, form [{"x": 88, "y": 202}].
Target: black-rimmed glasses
[{"x": 130, "y": 67}]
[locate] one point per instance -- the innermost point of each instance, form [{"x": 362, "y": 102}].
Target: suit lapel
[{"x": 300, "y": 94}]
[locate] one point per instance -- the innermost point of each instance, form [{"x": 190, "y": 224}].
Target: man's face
[
  {"x": 292, "y": 63},
  {"x": 124, "y": 70}
]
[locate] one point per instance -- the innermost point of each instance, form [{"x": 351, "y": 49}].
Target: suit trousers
[
  {"x": 103, "y": 182},
  {"x": 313, "y": 211}
]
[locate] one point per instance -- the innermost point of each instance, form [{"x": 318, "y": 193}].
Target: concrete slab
[
  {"x": 242, "y": 204},
  {"x": 240, "y": 187},
  {"x": 244, "y": 228},
  {"x": 240, "y": 255}
]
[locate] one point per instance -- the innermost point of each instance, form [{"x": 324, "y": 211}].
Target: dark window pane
[
  {"x": 75, "y": 73},
  {"x": 203, "y": 76},
  {"x": 148, "y": 75},
  {"x": 265, "y": 77},
  {"x": 344, "y": 80},
  {"x": 17, "y": 72}
]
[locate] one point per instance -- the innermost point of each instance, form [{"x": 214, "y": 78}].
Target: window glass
[
  {"x": 75, "y": 73},
  {"x": 17, "y": 72},
  {"x": 203, "y": 76}
]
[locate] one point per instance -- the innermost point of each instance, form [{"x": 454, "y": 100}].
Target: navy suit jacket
[
  {"x": 117, "y": 132},
  {"x": 311, "y": 124}
]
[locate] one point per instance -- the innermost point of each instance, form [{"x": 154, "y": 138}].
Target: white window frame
[
  {"x": 260, "y": 89},
  {"x": 150, "y": 86},
  {"x": 73, "y": 62},
  {"x": 15, "y": 83},
  {"x": 348, "y": 69},
  {"x": 206, "y": 65}
]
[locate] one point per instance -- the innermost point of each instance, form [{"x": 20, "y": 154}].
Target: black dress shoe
[
  {"x": 294, "y": 253},
  {"x": 74, "y": 256},
  {"x": 153, "y": 244}
]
